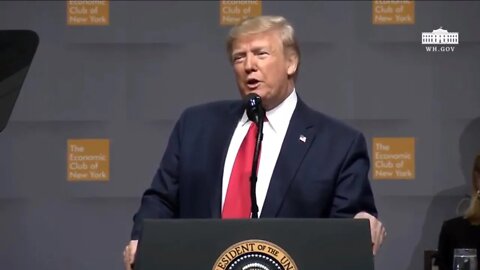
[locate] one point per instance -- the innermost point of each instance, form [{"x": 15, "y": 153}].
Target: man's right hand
[{"x": 129, "y": 254}]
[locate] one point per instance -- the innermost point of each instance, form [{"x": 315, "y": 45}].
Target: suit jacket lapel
[
  {"x": 296, "y": 143},
  {"x": 222, "y": 136}
]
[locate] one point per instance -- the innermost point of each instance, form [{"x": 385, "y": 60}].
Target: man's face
[{"x": 262, "y": 67}]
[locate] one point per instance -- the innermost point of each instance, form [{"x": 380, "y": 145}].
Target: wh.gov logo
[{"x": 440, "y": 40}]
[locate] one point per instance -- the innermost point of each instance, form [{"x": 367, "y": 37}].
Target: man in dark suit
[{"x": 310, "y": 166}]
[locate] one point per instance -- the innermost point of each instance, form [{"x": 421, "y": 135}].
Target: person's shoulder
[{"x": 455, "y": 222}]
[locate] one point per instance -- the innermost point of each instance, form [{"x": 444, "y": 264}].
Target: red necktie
[{"x": 237, "y": 201}]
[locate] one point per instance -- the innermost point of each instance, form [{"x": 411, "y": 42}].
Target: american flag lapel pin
[{"x": 303, "y": 138}]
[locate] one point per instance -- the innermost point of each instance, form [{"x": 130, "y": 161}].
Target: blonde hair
[
  {"x": 473, "y": 211},
  {"x": 261, "y": 24}
]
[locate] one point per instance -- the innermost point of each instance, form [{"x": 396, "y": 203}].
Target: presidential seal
[{"x": 254, "y": 255}]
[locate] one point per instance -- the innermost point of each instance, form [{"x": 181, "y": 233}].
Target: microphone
[
  {"x": 255, "y": 110},
  {"x": 256, "y": 114}
]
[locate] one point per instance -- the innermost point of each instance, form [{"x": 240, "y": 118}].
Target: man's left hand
[{"x": 376, "y": 228}]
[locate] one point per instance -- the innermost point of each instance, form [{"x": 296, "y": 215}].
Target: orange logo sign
[
  {"x": 88, "y": 159},
  {"x": 393, "y": 12},
  {"x": 233, "y": 11},
  {"x": 83, "y": 13},
  {"x": 393, "y": 158}
]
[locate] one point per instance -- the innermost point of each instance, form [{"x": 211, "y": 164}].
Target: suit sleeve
[
  {"x": 160, "y": 200},
  {"x": 353, "y": 193}
]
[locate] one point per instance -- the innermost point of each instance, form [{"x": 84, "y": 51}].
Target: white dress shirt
[{"x": 273, "y": 134}]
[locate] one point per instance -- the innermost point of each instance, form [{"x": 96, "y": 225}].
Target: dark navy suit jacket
[{"x": 325, "y": 176}]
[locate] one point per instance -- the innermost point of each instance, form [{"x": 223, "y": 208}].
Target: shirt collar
[{"x": 276, "y": 116}]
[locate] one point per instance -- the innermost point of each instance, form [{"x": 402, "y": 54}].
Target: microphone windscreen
[{"x": 253, "y": 106}]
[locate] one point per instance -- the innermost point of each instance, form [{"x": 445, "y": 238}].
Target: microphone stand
[{"x": 253, "y": 176}]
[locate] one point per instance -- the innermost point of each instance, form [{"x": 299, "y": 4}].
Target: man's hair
[
  {"x": 473, "y": 212},
  {"x": 262, "y": 24}
]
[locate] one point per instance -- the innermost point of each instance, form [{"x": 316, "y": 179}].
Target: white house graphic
[{"x": 440, "y": 36}]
